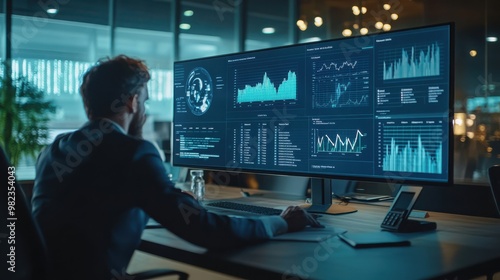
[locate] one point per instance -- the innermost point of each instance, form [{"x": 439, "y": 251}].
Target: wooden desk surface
[{"x": 463, "y": 246}]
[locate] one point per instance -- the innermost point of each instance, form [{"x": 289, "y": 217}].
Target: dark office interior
[{"x": 53, "y": 42}]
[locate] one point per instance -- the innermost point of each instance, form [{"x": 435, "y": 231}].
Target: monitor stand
[{"x": 321, "y": 199}]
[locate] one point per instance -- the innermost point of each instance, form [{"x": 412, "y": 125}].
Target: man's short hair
[{"x": 107, "y": 85}]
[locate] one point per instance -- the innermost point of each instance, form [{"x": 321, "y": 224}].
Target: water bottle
[{"x": 198, "y": 184}]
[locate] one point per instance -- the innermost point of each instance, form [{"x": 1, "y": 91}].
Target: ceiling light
[
  {"x": 363, "y": 10},
  {"x": 188, "y": 13},
  {"x": 363, "y": 31},
  {"x": 185, "y": 26},
  {"x": 355, "y": 26},
  {"x": 379, "y": 25},
  {"x": 469, "y": 122},
  {"x": 394, "y": 16},
  {"x": 473, "y": 53},
  {"x": 491, "y": 39},
  {"x": 268, "y": 30},
  {"x": 347, "y": 32},
  {"x": 386, "y": 27},
  {"x": 52, "y": 11},
  {"x": 312, "y": 39},
  {"x": 355, "y": 10},
  {"x": 387, "y": 7},
  {"x": 302, "y": 24},
  {"x": 318, "y": 21}
]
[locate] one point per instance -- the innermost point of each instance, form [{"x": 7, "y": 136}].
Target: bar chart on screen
[
  {"x": 412, "y": 148},
  {"x": 412, "y": 62}
]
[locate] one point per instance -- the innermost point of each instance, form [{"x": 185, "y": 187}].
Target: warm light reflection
[
  {"x": 386, "y": 27},
  {"x": 379, "y": 25},
  {"x": 394, "y": 16},
  {"x": 387, "y": 7},
  {"x": 363, "y": 31},
  {"x": 302, "y": 24},
  {"x": 347, "y": 32},
  {"x": 469, "y": 122},
  {"x": 458, "y": 124},
  {"x": 318, "y": 21}
]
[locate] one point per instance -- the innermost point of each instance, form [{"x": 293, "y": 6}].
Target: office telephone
[{"x": 397, "y": 217}]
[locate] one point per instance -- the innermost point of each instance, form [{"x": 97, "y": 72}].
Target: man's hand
[{"x": 298, "y": 218}]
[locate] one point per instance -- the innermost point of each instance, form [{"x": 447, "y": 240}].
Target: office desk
[{"x": 462, "y": 246}]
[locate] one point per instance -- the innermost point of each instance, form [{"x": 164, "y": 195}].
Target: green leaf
[{"x": 24, "y": 116}]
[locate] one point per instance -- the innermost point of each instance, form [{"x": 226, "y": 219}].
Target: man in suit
[{"x": 96, "y": 188}]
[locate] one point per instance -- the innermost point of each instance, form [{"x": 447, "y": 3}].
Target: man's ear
[{"x": 132, "y": 103}]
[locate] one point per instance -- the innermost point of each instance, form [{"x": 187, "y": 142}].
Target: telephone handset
[{"x": 397, "y": 217}]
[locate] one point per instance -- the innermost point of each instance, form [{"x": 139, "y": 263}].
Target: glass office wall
[
  {"x": 143, "y": 30},
  {"x": 267, "y": 27},
  {"x": 54, "y": 43},
  {"x": 2, "y": 31},
  {"x": 207, "y": 28}
]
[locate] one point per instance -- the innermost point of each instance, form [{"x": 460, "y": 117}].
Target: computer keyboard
[{"x": 261, "y": 210}]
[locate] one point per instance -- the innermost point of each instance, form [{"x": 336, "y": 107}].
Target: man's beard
[{"x": 135, "y": 128}]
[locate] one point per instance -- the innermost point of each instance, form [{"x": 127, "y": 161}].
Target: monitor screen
[{"x": 368, "y": 108}]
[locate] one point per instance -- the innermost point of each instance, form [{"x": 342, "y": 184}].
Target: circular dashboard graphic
[{"x": 199, "y": 91}]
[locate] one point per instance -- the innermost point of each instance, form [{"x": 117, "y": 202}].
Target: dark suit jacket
[{"x": 94, "y": 191}]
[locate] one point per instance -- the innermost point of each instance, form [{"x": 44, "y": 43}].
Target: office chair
[
  {"x": 31, "y": 259},
  {"x": 494, "y": 176}
]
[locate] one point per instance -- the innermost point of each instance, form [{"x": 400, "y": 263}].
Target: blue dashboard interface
[{"x": 371, "y": 107}]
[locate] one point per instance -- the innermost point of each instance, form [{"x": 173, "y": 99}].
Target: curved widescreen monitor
[{"x": 376, "y": 107}]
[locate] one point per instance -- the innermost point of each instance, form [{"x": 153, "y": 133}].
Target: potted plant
[{"x": 24, "y": 116}]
